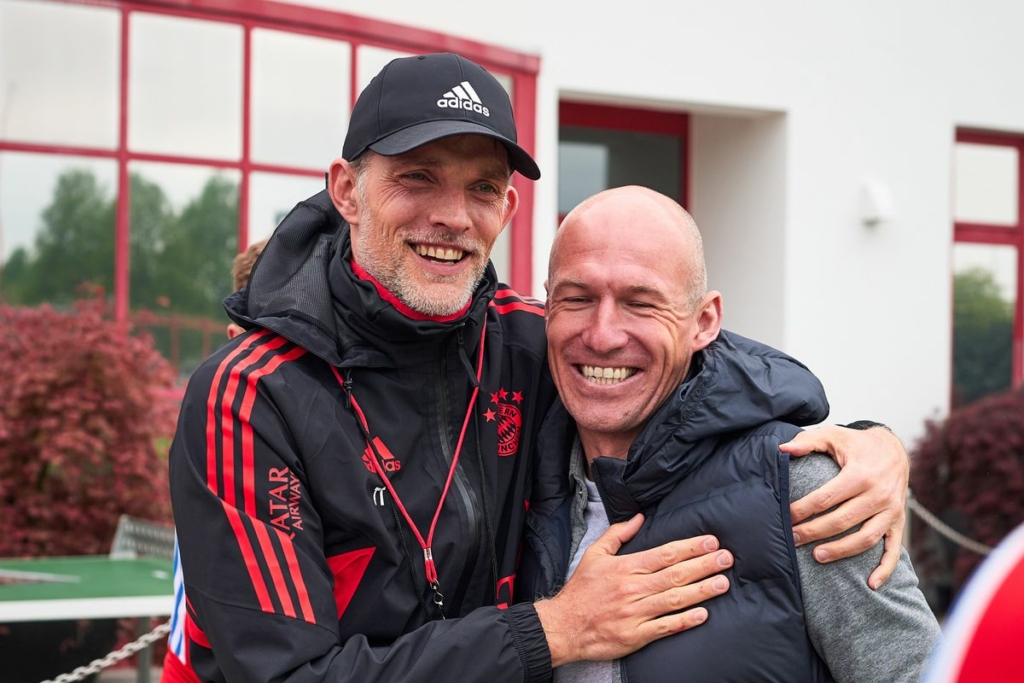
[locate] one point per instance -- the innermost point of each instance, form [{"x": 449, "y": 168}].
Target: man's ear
[
  {"x": 234, "y": 330},
  {"x": 511, "y": 205},
  {"x": 709, "y": 320},
  {"x": 341, "y": 185}
]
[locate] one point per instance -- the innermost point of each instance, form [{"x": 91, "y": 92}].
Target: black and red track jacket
[{"x": 298, "y": 563}]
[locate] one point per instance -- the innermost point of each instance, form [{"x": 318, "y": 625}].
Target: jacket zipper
[{"x": 467, "y": 494}]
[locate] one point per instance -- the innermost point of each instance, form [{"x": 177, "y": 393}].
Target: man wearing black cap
[{"x": 351, "y": 477}]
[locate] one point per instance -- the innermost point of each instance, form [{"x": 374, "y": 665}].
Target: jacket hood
[
  {"x": 735, "y": 384},
  {"x": 303, "y": 287}
]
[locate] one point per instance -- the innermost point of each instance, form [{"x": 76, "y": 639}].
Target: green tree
[
  {"x": 15, "y": 276},
  {"x": 982, "y": 336},
  {"x": 198, "y": 250},
  {"x": 74, "y": 246},
  {"x": 151, "y": 217},
  {"x": 180, "y": 263}
]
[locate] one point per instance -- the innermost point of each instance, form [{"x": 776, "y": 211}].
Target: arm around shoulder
[
  {"x": 862, "y": 634},
  {"x": 870, "y": 491}
]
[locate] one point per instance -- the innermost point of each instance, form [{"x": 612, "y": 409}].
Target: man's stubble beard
[{"x": 385, "y": 264}]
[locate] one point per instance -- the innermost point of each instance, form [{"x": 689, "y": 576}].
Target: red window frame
[
  {"x": 1006, "y": 235},
  {"x": 634, "y": 120},
  {"x": 356, "y": 31}
]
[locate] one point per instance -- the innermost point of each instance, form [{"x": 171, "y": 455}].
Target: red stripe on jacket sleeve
[
  {"x": 211, "y": 408},
  {"x": 249, "y": 495},
  {"x": 255, "y": 575},
  {"x": 275, "y": 569},
  {"x": 244, "y": 413},
  {"x": 238, "y": 522},
  {"x": 227, "y": 415},
  {"x": 296, "y": 573}
]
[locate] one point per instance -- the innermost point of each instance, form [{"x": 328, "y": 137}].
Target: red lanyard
[{"x": 428, "y": 555}]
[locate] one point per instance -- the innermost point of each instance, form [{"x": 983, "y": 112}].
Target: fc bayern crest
[{"x": 509, "y": 419}]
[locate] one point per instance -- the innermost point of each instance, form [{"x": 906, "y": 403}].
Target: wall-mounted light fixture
[{"x": 876, "y": 205}]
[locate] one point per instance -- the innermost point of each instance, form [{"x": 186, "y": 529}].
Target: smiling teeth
[
  {"x": 607, "y": 375},
  {"x": 440, "y": 253}
]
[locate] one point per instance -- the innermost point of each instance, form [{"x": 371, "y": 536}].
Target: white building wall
[
  {"x": 797, "y": 104},
  {"x": 740, "y": 195}
]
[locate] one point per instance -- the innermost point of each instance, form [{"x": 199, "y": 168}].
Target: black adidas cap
[{"x": 416, "y": 100}]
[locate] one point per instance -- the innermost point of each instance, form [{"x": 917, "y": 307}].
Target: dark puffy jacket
[
  {"x": 298, "y": 564},
  {"x": 707, "y": 462}
]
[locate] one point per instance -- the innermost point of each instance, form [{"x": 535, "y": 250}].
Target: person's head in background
[{"x": 240, "y": 274}]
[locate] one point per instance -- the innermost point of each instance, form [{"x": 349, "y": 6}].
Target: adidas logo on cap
[{"x": 463, "y": 96}]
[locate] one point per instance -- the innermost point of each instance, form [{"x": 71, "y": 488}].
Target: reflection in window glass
[
  {"x": 984, "y": 298},
  {"x": 185, "y": 101},
  {"x": 272, "y": 196},
  {"x": 59, "y": 73},
  {"x": 372, "y": 60},
  {"x": 582, "y": 172},
  {"x": 184, "y": 237},
  {"x": 986, "y": 184},
  {"x": 56, "y": 228},
  {"x": 653, "y": 160},
  {"x": 288, "y": 126}
]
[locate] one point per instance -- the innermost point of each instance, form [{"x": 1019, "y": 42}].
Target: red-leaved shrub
[
  {"x": 969, "y": 470},
  {"x": 83, "y": 432}
]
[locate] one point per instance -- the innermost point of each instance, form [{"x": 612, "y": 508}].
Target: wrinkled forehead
[
  {"x": 603, "y": 271},
  {"x": 485, "y": 152}
]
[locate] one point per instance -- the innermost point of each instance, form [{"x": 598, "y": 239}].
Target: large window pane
[
  {"x": 185, "y": 87},
  {"x": 372, "y": 60},
  {"x": 582, "y": 172},
  {"x": 986, "y": 184},
  {"x": 288, "y": 126},
  {"x": 984, "y": 299},
  {"x": 184, "y": 236},
  {"x": 59, "y": 73},
  {"x": 591, "y": 160},
  {"x": 272, "y": 196},
  {"x": 56, "y": 228}
]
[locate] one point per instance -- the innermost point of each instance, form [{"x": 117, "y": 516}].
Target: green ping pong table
[{"x": 89, "y": 587}]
